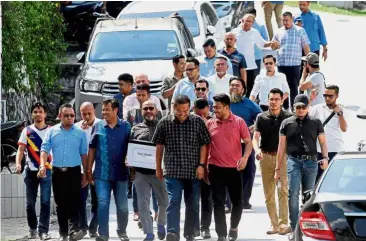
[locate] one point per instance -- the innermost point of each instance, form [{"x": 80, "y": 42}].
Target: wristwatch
[
  {"x": 340, "y": 113},
  {"x": 327, "y": 158},
  {"x": 40, "y": 167},
  {"x": 202, "y": 165}
]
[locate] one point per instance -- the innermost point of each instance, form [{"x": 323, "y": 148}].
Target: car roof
[
  {"x": 147, "y": 6},
  {"x": 350, "y": 155},
  {"x": 141, "y": 23}
]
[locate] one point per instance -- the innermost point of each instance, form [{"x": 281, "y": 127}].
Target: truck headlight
[{"x": 91, "y": 86}]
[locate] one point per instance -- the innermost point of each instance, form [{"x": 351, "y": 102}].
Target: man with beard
[
  {"x": 267, "y": 127},
  {"x": 108, "y": 147},
  {"x": 335, "y": 125},
  {"x": 220, "y": 80},
  {"x": 30, "y": 142},
  {"x": 87, "y": 123},
  {"x": 225, "y": 161},
  {"x": 69, "y": 149},
  {"x": 265, "y": 82},
  {"x": 248, "y": 110},
  {"x": 145, "y": 179}
]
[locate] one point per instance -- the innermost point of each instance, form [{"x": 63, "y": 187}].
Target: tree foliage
[{"x": 33, "y": 46}]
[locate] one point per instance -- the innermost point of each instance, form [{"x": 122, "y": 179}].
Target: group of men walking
[{"x": 206, "y": 141}]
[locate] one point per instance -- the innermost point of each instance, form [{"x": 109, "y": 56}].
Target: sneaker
[
  {"x": 44, "y": 236},
  {"x": 161, "y": 232},
  {"x": 247, "y": 206},
  {"x": 32, "y": 234},
  {"x": 123, "y": 237},
  {"x": 272, "y": 230},
  {"x": 172, "y": 237},
  {"x": 233, "y": 235},
  {"x": 222, "y": 238},
  {"x": 283, "y": 230},
  {"x": 101, "y": 238},
  {"x": 206, "y": 234},
  {"x": 291, "y": 237},
  {"x": 190, "y": 238},
  {"x": 136, "y": 217},
  {"x": 149, "y": 237}
]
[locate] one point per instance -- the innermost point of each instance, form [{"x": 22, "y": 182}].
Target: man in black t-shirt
[
  {"x": 298, "y": 136},
  {"x": 267, "y": 127}
]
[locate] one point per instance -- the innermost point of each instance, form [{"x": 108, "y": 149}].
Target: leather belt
[
  {"x": 64, "y": 169},
  {"x": 272, "y": 153},
  {"x": 305, "y": 157}
]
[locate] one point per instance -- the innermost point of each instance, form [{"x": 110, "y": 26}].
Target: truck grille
[{"x": 110, "y": 89}]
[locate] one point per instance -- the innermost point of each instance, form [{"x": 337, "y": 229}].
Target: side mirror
[
  {"x": 191, "y": 53},
  {"x": 306, "y": 196},
  {"x": 361, "y": 113},
  {"x": 81, "y": 57},
  {"x": 211, "y": 30}
]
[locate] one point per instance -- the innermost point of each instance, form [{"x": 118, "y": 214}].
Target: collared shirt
[
  {"x": 237, "y": 60},
  {"x": 144, "y": 131},
  {"x": 131, "y": 102},
  {"x": 120, "y": 98},
  {"x": 264, "y": 83},
  {"x": 292, "y": 41},
  {"x": 264, "y": 34},
  {"x": 225, "y": 148},
  {"x": 207, "y": 67},
  {"x": 318, "y": 81},
  {"x": 219, "y": 85},
  {"x": 333, "y": 132},
  {"x": 111, "y": 150},
  {"x": 313, "y": 26},
  {"x": 246, "y": 109},
  {"x": 135, "y": 117},
  {"x": 245, "y": 44},
  {"x": 269, "y": 126},
  {"x": 67, "y": 145},
  {"x": 186, "y": 87},
  {"x": 182, "y": 142},
  {"x": 310, "y": 128},
  {"x": 168, "y": 82}
]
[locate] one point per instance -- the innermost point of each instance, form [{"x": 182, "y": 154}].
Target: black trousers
[
  {"x": 67, "y": 190},
  {"x": 251, "y": 74},
  {"x": 220, "y": 179},
  {"x": 293, "y": 78},
  {"x": 206, "y": 205},
  {"x": 248, "y": 177}
]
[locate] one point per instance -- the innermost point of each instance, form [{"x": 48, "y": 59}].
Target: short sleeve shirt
[{"x": 318, "y": 81}]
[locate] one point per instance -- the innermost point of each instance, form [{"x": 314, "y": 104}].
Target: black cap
[{"x": 301, "y": 100}]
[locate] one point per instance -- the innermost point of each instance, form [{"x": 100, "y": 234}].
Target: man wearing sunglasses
[
  {"x": 297, "y": 138},
  {"x": 69, "y": 147},
  {"x": 202, "y": 91},
  {"x": 146, "y": 180},
  {"x": 265, "y": 82}
]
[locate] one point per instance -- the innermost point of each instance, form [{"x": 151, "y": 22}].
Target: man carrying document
[{"x": 145, "y": 178}]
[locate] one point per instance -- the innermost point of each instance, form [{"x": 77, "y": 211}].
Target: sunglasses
[
  {"x": 301, "y": 107},
  {"x": 268, "y": 63},
  {"x": 201, "y": 89},
  {"x": 148, "y": 108},
  {"x": 67, "y": 115},
  {"x": 328, "y": 96}
]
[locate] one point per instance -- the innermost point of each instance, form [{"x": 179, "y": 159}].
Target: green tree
[{"x": 33, "y": 46}]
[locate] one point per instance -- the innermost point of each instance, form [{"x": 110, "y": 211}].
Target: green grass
[{"x": 329, "y": 9}]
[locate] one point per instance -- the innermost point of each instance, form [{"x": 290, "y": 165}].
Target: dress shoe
[
  {"x": 233, "y": 235},
  {"x": 283, "y": 230},
  {"x": 190, "y": 238},
  {"x": 247, "y": 206},
  {"x": 222, "y": 238},
  {"x": 172, "y": 237},
  {"x": 206, "y": 234},
  {"x": 123, "y": 237},
  {"x": 197, "y": 233},
  {"x": 32, "y": 234}
]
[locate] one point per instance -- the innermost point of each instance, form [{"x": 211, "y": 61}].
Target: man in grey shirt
[{"x": 312, "y": 79}]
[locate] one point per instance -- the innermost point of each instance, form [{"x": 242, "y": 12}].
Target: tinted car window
[
  {"x": 133, "y": 45},
  {"x": 189, "y": 16},
  {"x": 345, "y": 176}
]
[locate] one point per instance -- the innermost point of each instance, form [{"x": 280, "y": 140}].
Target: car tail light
[{"x": 315, "y": 225}]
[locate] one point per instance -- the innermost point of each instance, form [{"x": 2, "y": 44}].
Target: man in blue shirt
[
  {"x": 248, "y": 110},
  {"x": 108, "y": 147},
  {"x": 313, "y": 26},
  {"x": 69, "y": 147},
  {"x": 125, "y": 85}
]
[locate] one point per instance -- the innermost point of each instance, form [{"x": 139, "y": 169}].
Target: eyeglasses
[
  {"x": 301, "y": 107},
  {"x": 328, "y": 96},
  {"x": 269, "y": 63},
  {"x": 69, "y": 115},
  {"x": 148, "y": 108},
  {"x": 188, "y": 70},
  {"x": 201, "y": 89}
]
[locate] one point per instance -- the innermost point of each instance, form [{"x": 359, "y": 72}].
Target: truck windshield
[{"x": 134, "y": 45}]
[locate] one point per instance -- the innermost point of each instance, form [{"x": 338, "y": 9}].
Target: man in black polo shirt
[
  {"x": 298, "y": 136},
  {"x": 267, "y": 127}
]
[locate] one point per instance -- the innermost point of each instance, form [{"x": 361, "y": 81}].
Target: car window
[
  {"x": 189, "y": 16},
  {"x": 345, "y": 176},
  {"x": 134, "y": 45}
]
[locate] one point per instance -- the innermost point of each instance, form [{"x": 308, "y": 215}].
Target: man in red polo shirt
[{"x": 225, "y": 163}]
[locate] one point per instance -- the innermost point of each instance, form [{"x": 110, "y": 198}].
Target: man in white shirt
[
  {"x": 219, "y": 82},
  {"x": 334, "y": 124},
  {"x": 312, "y": 79},
  {"x": 265, "y": 82},
  {"x": 87, "y": 123},
  {"x": 246, "y": 38},
  {"x": 131, "y": 102}
]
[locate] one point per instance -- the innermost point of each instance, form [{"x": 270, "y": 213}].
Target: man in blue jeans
[
  {"x": 108, "y": 147},
  {"x": 184, "y": 138},
  {"x": 298, "y": 136}
]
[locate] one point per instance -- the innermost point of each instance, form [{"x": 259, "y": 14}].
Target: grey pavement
[{"x": 344, "y": 67}]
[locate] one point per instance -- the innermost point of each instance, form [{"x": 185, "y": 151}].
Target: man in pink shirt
[{"x": 225, "y": 163}]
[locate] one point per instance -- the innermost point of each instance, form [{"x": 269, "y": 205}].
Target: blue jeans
[
  {"x": 299, "y": 172},
  {"x": 31, "y": 186},
  {"x": 103, "y": 190},
  {"x": 191, "y": 188}
]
